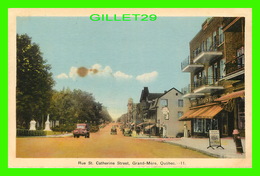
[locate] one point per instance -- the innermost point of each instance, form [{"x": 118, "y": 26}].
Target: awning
[
  {"x": 231, "y": 96},
  {"x": 211, "y": 112},
  {"x": 149, "y": 126},
  {"x": 186, "y": 115},
  {"x": 207, "y": 112},
  {"x": 146, "y": 123}
]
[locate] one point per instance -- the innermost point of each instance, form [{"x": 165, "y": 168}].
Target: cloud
[
  {"x": 62, "y": 76},
  {"x": 147, "y": 77},
  {"x": 73, "y": 72},
  {"x": 107, "y": 71},
  {"x": 98, "y": 70},
  {"x": 122, "y": 75},
  {"x": 96, "y": 66}
]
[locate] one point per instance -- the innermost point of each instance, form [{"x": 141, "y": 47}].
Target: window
[
  {"x": 180, "y": 103},
  {"x": 210, "y": 124},
  {"x": 202, "y": 46},
  {"x": 215, "y": 41},
  {"x": 210, "y": 75},
  {"x": 221, "y": 35},
  {"x": 180, "y": 113},
  {"x": 198, "y": 125},
  {"x": 209, "y": 44},
  {"x": 203, "y": 74},
  {"x": 216, "y": 72},
  {"x": 222, "y": 70},
  {"x": 240, "y": 58},
  {"x": 164, "y": 102}
]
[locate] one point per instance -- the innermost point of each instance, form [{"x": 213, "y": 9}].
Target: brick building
[{"x": 216, "y": 67}]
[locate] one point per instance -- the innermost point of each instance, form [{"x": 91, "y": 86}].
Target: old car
[
  {"x": 82, "y": 129},
  {"x": 113, "y": 130},
  {"x": 127, "y": 132}
]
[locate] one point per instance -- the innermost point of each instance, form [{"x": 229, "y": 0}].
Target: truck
[{"x": 82, "y": 129}]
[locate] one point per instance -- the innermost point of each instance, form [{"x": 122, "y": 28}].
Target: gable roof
[{"x": 169, "y": 91}]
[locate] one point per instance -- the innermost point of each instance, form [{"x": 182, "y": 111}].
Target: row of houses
[
  {"x": 214, "y": 99},
  {"x": 157, "y": 114}
]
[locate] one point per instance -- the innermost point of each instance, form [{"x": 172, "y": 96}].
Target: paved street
[{"x": 99, "y": 145}]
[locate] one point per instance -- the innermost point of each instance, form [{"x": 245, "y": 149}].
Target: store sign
[
  {"x": 214, "y": 139},
  {"x": 205, "y": 100}
]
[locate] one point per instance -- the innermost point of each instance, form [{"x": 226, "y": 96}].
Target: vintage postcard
[{"x": 130, "y": 88}]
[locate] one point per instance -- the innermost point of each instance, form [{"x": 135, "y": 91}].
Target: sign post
[{"x": 214, "y": 139}]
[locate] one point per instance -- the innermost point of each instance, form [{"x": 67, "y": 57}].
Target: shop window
[
  {"x": 210, "y": 124},
  {"x": 180, "y": 103},
  {"x": 198, "y": 125},
  {"x": 164, "y": 102},
  {"x": 214, "y": 124}
]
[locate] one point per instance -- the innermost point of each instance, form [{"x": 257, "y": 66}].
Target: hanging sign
[{"x": 214, "y": 139}]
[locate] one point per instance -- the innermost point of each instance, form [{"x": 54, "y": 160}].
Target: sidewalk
[
  {"x": 60, "y": 135},
  {"x": 201, "y": 144}
]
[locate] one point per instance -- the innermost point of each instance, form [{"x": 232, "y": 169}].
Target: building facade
[
  {"x": 169, "y": 108},
  {"x": 216, "y": 67}
]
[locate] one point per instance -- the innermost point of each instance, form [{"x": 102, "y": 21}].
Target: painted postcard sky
[{"x": 128, "y": 55}]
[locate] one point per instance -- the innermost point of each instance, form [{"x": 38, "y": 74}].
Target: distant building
[{"x": 149, "y": 121}]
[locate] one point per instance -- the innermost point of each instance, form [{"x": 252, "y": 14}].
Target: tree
[{"x": 34, "y": 82}]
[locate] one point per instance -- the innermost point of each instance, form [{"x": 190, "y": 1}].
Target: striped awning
[
  {"x": 149, "y": 126},
  {"x": 231, "y": 96},
  {"x": 207, "y": 112}
]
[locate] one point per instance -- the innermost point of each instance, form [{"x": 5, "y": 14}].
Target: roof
[{"x": 152, "y": 96}]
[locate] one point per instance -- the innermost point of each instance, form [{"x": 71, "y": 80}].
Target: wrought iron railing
[
  {"x": 212, "y": 47},
  {"x": 235, "y": 65},
  {"x": 185, "y": 63},
  {"x": 187, "y": 89},
  {"x": 201, "y": 82}
]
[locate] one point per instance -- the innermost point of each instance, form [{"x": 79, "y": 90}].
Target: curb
[{"x": 196, "y": 149}]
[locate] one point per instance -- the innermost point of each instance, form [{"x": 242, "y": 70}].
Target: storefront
[
  {"x": 225, "y": 114},
  {"x": 204, "y": 118},
  {"x": 234, "y": 104}
]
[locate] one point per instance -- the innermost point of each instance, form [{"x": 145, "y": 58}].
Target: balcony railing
[
  {"x": 188, "y": 66},
  {"x": 187, "y": 89},
  {"x": 185, "y": 63},
  {"x": 235, "y": 65},
  {"x": 207, "y": 55}
]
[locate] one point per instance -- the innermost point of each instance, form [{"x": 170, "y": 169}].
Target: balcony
[
  {"x": 204, "y": 57},
  {"x": 188, "y": 66},
  {"x": 235, "y": 67},
  {"x": 187, "y": 92},
  {"x": 207, "y": 85}
]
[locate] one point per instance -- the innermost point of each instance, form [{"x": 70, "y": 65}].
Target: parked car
[
  {"x": 113, "y": 130},
  {"x": 127, "y": 132},
  {"x": 82, "y": 129}
]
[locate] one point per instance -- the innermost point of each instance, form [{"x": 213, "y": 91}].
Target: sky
[{"x": 114, "y": 60}]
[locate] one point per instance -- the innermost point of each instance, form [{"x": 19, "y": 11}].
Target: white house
[{"x": 170, "y": 107}]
